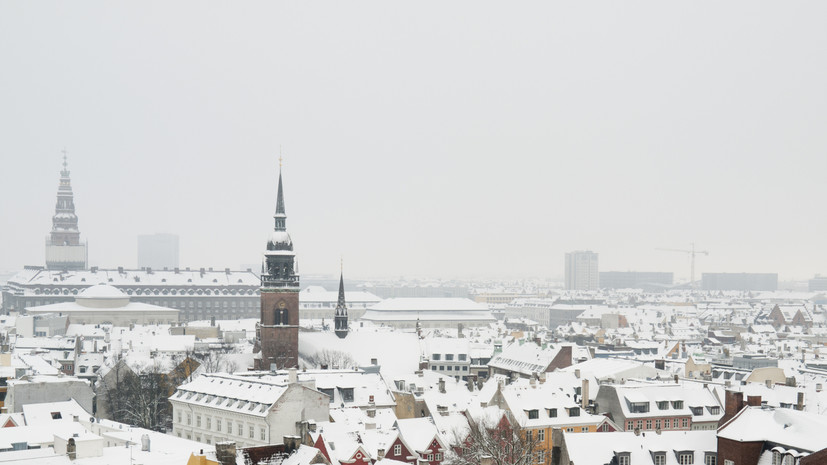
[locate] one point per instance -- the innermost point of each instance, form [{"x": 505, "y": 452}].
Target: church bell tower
[{"x": 278, "y": 330}]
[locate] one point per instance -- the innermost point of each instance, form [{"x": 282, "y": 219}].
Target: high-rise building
[
  {"x": 581, "y": 271},
  {"x": 158, "y": 251},
  {"x": 64, "y": 250},
  {"x": 278, "y": 330}
]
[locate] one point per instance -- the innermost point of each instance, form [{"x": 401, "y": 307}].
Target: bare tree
[
  {"x": 331, "y": 358},
  {"x": 503, "y": 441},
  {"x": 214, "y": 362}
]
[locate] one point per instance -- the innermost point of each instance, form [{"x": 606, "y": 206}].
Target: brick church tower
[{"x": 278, "y": 330}]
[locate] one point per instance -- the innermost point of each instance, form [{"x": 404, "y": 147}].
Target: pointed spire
[
  {"x": 341, "y": 309},
  {"x": 340, "y": 305},
  {"x": 280, "y": 216}
]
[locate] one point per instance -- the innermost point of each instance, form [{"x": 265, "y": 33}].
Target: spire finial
[
  {"x": 280, "y": 158},
  {"x": 65, "y": 163},
  {"x": 341, "y": 264}
]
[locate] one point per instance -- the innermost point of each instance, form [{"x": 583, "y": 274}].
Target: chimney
[
  {"x": 292, "y": 376},
  {"x": 768, "y": 383},
  {"x": 225, "y": 452},
  {"x": 374, "y": 361},
  {"x": 754, "y": 401},
  {"x": 145, "y": 443},
  {"x": 380, "y": 454},
  {"x": 584, "y": 394},
  {"x": 212, "y": 321},
  {"x": 676, "y": 379},
  {"x": 733, "y": 403},
  {"x": 542, "y": 377},
  {"x": 577, "y": 373},
  {"x": 556, "y": 450},
  {"x": 442, "y": 385},
  {"x": 800, "y": 404},
  {"x": 819, "y": 387}
]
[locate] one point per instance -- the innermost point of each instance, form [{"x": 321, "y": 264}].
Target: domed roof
[
  {"x": 280, "y": 240},
  {"x": 102, "y": 291}
]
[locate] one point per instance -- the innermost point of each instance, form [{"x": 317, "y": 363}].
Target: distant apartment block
[
  {"x": 818, "y": 283},
  {"x": 581, "y": 271},
  {"x": 646, "y": 280},
  {"x": 158, "y": 251},
  {"x": 740, "y": 281}
]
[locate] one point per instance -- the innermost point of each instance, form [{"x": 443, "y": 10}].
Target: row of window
[
  {"x": 684, "y": 422},
  {"x": 450, "y": 367},
  {"x": 450, "y": 357},
  {"x": 659, "y": 458},
  {"x": 552, "y": 412},
  {"x": 219, "y": 424}
]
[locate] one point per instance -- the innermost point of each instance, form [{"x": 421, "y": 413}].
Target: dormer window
[
  {"x": 663, "y": 404},
  {"x": 639, "y": 407},
  {"x": 677, "y": 404},
  {"x": 552, "y": 412},
  {"x": 623, "y": 458},
  {"x": 697, "y": 411},
  {"x": 533, "y": 414},
  {"x": 659, "y": 458},
  {"x": 574, "y": 412}
]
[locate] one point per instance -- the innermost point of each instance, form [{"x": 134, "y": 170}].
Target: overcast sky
[{"x": 442, "y": 139}]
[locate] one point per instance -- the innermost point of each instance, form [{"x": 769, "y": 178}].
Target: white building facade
[{"x": 250, "y": 412}]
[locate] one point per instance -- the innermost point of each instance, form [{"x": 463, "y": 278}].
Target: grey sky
[{"x": 422, "y": 138}]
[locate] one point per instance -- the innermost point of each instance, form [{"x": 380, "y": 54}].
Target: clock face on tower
[{"x": 282, "y": 304}]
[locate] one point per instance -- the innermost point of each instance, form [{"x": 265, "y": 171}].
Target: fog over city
[{"x": 439, "y": 139}]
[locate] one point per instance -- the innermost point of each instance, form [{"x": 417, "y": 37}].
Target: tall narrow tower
[
  {"x": 341, "y": 310},
  {"x": 278, "y": 331},
  {"x": 64, "y": 250}
]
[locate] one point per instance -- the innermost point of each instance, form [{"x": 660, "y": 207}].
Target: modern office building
[
  {"x": 740, "y": 281},
  {"x": 581, "y": 271},
  {"x": 646, "y": 280},
  {"x": 158, "y": 251},
  {"x": 818, "y": 283}
]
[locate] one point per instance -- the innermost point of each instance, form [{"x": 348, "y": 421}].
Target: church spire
[
  {"x": 340, "y": 319},
  {"x": 280, "y": 216},
  {"x": 64, "y": 250}
]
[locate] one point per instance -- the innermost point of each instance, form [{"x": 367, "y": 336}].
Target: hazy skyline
[{"x": 442, "y": 139}]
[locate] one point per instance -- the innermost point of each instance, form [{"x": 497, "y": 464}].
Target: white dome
[{"x": 102, "y": 291}]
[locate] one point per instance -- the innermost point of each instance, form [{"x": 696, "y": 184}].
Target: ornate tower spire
[
  {"x": 340, "y": 319},
  {"x": 280, "y": 216},
  {"x": 278, "y": 330},
  {"x": 63, "y": 247}
]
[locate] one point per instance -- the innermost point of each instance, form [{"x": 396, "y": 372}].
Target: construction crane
[{"x": 692, "y": 252}]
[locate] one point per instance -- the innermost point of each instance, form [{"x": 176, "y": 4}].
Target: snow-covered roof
[
  {"x": 231, "y": 393},
  {"x": 525, "y": 358},
  {"x": 602, "y": 447},
  {"x": 800, "y": 430}
]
